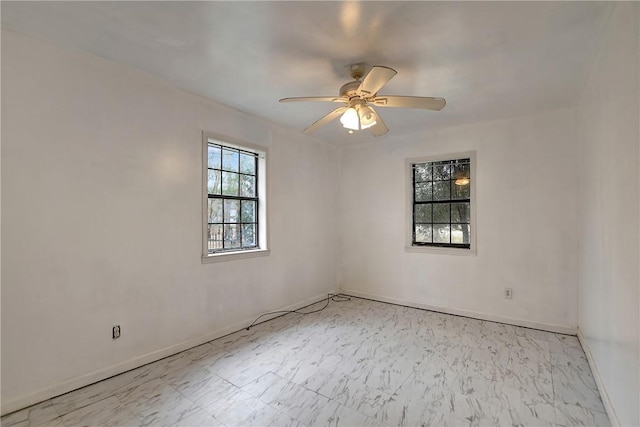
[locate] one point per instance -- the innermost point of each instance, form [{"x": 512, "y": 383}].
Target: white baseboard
[
  {"x": 101, "y": 374},
  {"x": 467, "y": 313},
  {"x": 606, "y": 400}
]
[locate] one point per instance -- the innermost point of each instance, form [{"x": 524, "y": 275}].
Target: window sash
[
  {"x": 226, "y": 226},
  {"x": 431, "y": 172}
]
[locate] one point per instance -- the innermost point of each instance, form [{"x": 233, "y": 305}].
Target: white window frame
[
  {"x": 263, "y": 184},
  {"x": 409, "y": 246}
]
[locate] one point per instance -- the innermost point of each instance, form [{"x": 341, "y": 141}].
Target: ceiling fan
[{"x": 359, "y": 98}]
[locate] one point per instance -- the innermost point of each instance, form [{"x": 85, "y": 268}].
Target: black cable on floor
[{"x": 330, "y": 297}]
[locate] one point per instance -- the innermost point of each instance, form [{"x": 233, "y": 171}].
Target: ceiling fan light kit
[
  {"x": 358, "y": 116},
  {"x": 462, "y": 181},
  {"x": 359, "y": 98}
]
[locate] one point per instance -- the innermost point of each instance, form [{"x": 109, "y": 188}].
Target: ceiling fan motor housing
[{"x": 349, "y": 90}]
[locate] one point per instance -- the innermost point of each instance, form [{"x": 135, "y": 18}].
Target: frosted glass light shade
[
  {"x": 367, "y": 117},
  {"x": 350, "y": 119}
]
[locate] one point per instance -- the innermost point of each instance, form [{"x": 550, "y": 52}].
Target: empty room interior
[{"x": 345, "y": 213}]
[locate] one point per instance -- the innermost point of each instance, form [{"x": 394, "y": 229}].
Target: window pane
[
  {"x": 248, "y": 235},
  {"x": 442, "y": 190},
  {"x": 230, "y": 159},
  {"x": 213, "y": 183},
  {"x": 231, "y": 236},
  {"x": 214, "y": 237},
  {"x": 230, "y": 183},
  {"x": 422, "y": 172},
  {"x": 441, "y": 208},
  {"x": 423, "y": 192},
  {"x": 441, "y": 212},
  {"x": 422, "y": 213},
  {"x": 460, "y": 233},
  {"x": 459, "y": 212},
  {"x": 215, "y": 210},
  {"x": 460, "y": 191},
  {"x": 247, "y": 164},
  {"x": 423, "y": 233},
  {"x": 248, "y": 211},
  {"x": 442, "y": 172},
  {"x": 247, "y": 185},
  {"x": 441, "y": 233},
  {"x": 231, "y": 210},
  {"x": 214, "y": 157}
]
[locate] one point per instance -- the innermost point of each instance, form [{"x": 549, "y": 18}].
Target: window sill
[
  {"x": 232, "y": 256},
  {"x": 440, "y": 250}
]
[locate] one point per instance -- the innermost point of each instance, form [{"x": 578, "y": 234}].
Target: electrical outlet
[
  {"x": 115, "y": 332},
  {"x": 508, "y": 293}
]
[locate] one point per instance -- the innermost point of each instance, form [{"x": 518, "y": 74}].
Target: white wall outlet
[
  {"x": 115, "y": 332},
  {"x": 508, "y": 293}
]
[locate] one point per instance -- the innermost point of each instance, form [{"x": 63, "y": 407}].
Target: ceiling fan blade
[
  {"x": 379, "y": 128},
  {"x": 315, "y": 98},
  {"x": 324, "y": 120},
  {"x": 425, "y": 103},
  {"x": 375, "y": 79}
]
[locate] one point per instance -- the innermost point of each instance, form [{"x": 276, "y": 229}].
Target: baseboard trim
[
  {"x": 606, "y": 400},
  {"x": 466, "y": 313},
  {"x": 102, "y": 374}
]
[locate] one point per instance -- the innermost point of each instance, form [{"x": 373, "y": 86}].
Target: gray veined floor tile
[
  {"x": 157, "y": 403},
  {"x": 207, "y": 390},
  {"x": 269, "y": 416},
  {"x": 196, "y": 418},
  {"x": 491, "y": 352},
  {"x": 269, "y": 387},
  {"x": 460, "y": 410},
  {"x": 574, "y": 415},
  {"x": 79, "y": 398},
  {"x": 440, "y": 373},
  {"x": 56, "y": 422},
  {"x": 108, "y": 412},
  {"x": 535, "y": 334},
  {"x": 531, "y": 414},
  {"x": 384, "y": 376},
  {"x": 519, "y": 387},
  {"x": 234, "y": 408},
  {"x": 343, "y": 416},
  {"x": 576, "y": 388},
  {"x": 243, "y": 373},
  {"x": 298, "y": 402},
  {"x": 183, "y": 377},
  {"x": 191, "y": 357},
  {"x": 416, "y": 402},
  {"x": 356, "y": 395},
  {"x": 101, "y": 390},
  {"x": 564, "y": 355},
  {"x": 530, "y": 362},
  {"x": 356, "y": 363},
  {"x": 479, "y": 385},
  {"x": 41, "y": 414}
]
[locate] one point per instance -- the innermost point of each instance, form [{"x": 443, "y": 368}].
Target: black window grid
[
  {"x": 464, "y": 164},
  {"x": 220, "y": 245}
]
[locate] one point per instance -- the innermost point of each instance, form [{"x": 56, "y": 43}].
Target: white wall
[
  {"x": 526, "y": 223},
  {"x": 609, "y": 297},
  {"x": 101, "y": 197}
]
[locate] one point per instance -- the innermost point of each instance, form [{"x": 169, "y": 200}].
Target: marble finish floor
[{"x": 356, "y": 363}]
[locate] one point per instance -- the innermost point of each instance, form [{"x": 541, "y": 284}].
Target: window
[
  {"x": 235, "y": 211},
  {"x": 441, "y": 208}
]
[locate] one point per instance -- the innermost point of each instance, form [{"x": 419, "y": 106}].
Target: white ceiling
[{"x": 490, "y": 60}]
